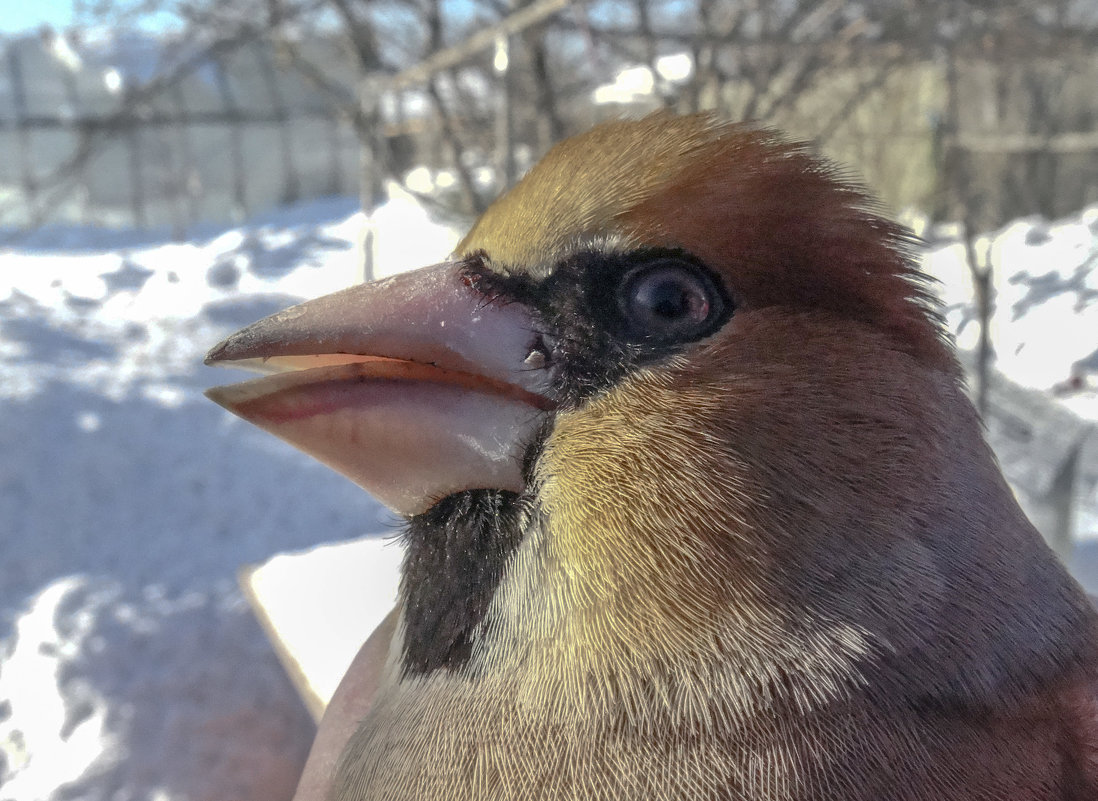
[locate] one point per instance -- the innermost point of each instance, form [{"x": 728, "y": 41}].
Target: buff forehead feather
[{"x": 586, "y": 182}]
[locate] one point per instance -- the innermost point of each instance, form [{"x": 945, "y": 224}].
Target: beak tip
[
  {"x": 218, "y": 353},
  {"x": 216, "y": 395}
]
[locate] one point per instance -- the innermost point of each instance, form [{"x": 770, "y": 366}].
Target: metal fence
[
  {"x": 236, "y": 135},
  {"x": 83, "y": 139}
]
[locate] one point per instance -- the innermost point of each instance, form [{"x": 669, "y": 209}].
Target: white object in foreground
[{"x": 319, "y": 606}]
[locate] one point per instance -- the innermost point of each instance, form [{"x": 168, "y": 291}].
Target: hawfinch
[{"x": 696, "y": 506}]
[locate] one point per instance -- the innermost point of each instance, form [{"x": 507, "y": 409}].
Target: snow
[
  {"x": 637, "y": 84},
  {"x": 1044, "y": 334},
  {"x": 1045, "y": 285},
  {"x": 130, "y": 665},
  {"x": 298, "y": 595}
]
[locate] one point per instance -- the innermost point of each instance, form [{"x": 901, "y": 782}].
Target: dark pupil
[
  {"x": 668, "y": 302},
  {"x": 665, "y": 298}
]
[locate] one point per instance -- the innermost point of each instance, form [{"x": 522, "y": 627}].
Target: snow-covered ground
[
  {"x": 1043, "y": 405},
  {"x": 130, "y": 667}
]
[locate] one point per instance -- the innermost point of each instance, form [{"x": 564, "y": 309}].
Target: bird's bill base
[{"x": 412, "y": 387}]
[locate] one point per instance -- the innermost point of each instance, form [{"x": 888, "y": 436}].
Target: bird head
[{"x": 678, "y": 414}]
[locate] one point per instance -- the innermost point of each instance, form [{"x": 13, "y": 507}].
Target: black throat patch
[{"x": 456, "y": 556}]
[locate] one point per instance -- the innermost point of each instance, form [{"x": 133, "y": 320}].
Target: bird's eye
[{"x": 669, "y": 301}]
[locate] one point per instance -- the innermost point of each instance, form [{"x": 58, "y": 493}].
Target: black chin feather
[{"x": 457, "y": 552}]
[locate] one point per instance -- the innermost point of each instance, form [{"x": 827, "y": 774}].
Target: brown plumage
[{"x": 752, "y": 544}]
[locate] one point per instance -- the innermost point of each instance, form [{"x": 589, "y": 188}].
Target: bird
[{"x": 695, "y": 503}]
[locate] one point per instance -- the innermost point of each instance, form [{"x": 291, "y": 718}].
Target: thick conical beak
[{"x": 414, "y": 387}]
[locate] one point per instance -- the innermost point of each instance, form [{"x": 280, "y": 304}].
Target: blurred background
[{"x": 173, "y": 169}]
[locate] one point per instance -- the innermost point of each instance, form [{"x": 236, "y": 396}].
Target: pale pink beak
[{"x": 414, "y": 387}]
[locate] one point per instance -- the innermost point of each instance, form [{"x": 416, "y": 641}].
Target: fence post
[
  {"x": 505, "y": 115},
  {"x": 236, "y": 143},
  {"x": 335, "y": 171},
  {"x": 186, "y": 176},
  {"x": 370, "y": 184},
  {"x": 22, "y": 129},
  {"x": 1061, "y": 500},
  {"x": 72, "y": 95},
  {"x": 137, "y": 171},
  {"x": 291, "y": 183}
]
